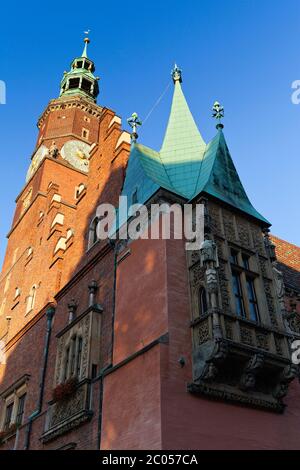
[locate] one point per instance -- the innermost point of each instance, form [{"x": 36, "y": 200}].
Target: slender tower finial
[
  {"x": 86, "y": 42},
  {"x": 218, "y": 113},
  {"x": 134, "y": 121},
  {"x": 176, "y": 74}
]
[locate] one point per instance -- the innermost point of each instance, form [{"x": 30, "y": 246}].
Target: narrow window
[
  {"x": 245, "y": 259},
  {"x": 85, "y": 133},
  {"x": 66, "y": 363},
  {"x": 78, "y": 360},
  {"x": 8, "y": 415},
  {"x": 202, "y": 302},
  {"x": 20, "y": 411},
  {"x": 94, "y": 371},
  {"x": 233, "y": 257},
  {"x": 237, "y": 290},
  {"x": 252, "y": 299},
  {"x": 73, "y": 355}
]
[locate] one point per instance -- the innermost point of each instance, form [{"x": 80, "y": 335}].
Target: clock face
[
  {"x": 77, "y": 153},
  {"x": 36, "y": 160}
]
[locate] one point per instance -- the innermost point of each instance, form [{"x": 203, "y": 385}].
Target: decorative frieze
[
  {"x": 270, "y": 301},
  {"x": 243, "y": 232},
  {"x": 229, "y": 226},
  {"x": 224, "y": 287},
  {"x": 246, "y": 335},
  {"x": 203, "y": 331}
]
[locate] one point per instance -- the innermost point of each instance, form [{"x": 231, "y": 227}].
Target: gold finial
[{"x": 87, "y": 39}]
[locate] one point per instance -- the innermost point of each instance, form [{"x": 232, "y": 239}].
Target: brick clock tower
[{"x": 44, "y": 222}]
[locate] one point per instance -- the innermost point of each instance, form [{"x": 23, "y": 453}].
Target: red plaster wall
[
  {"x": 131, "y": 404},
  {"x": 141, "y": 300}
]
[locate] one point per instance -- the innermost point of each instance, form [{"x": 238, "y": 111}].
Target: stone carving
[
  {"x": 279, "y": 283},
  {"x": 225, "y": 298},
  {"x": 246, "y": 336},
  {"x": 288, "y": 374},
  {"x": 228, "y": 223},
  {"x": 262, "y": 340},
  {"x": 215, "y": 219},
  {"x": 204, "y": 388},
  {"x": 85, "y": 348},
  {"x": 257, "y": 240},
  {"x": 197, "y": 275},
  {"x": 229, "y": 329},
  {"x": 216, "y": 359},
  {"x": 195, "y": 256},
  {"x": 60, "y": 351},
  {"x": 270, "y": 301},
  {"x": 208, "y": 253},
  {"x": 269, "y": 245},
  {"x": 203, "y": 332},
  {"x": 248, "y": 379},
  {"x": 65, "y": 409},
  {"x": 212, "y": 280},
  {"x": 243, "y": 234},
  {"x": 293, "y": 320},
  {"x": 278, "y": 345},
  {"x": 263, "y": 266}
]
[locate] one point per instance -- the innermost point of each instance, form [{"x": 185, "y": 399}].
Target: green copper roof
[
  {"x": 219, "y": 178},
  {"x": 185, "y": 165},
  {"x": 183, "y": 145},
  {"x": 80, "y": 80}
]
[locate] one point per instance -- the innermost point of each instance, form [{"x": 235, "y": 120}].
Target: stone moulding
[
  {"x": 66, "y": 426},
  {"x": 215, "y": 393}
]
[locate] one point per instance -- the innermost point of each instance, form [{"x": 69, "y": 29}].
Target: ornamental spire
[
  {"x": 134, "y": 121},
  {"x": 86, "y": 42},
  {"x": 176, "y": 74},
  {"x": 218, "y": 113}
]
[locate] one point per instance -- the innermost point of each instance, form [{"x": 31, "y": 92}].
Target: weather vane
[
  {"x": 134, "y": 121},
  {"x": 87, "y": 32},
  {"x": 218, "y": 113}
]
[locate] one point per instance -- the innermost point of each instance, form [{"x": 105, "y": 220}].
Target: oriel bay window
[{"x": 243, "y": 286}]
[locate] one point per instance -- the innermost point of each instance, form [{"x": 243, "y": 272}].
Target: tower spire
[
  {"x": 80, "y": 80},
  {"x": 86, "y": 42}
]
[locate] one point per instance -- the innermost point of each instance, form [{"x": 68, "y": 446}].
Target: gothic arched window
[
  {"x": 202, "y": 302},
  {"x": 31, "y": 299}
]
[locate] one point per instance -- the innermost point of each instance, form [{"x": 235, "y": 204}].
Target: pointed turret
[
  {"x": 183, "y": 145},
  {"x": 80, "y": 80},
  {"x": 185, "y": 165},
  {"x": 219, "y": 177}
]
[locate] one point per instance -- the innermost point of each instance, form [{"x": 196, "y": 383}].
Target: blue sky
[{"x": 244, "y": 53}]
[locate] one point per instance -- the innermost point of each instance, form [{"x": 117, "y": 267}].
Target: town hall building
[{"x": 139, "y": 343}]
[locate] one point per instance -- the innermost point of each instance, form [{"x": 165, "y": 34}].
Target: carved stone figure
[
  {"x": 218, "y": 356},
  {"x": 208, "y": 253},
  {"x": 288, "y": 374},
  {"x": 280, "y": 289},
  {"x": 248, "y": 379},
  {"x": 211, "y": 280}
]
